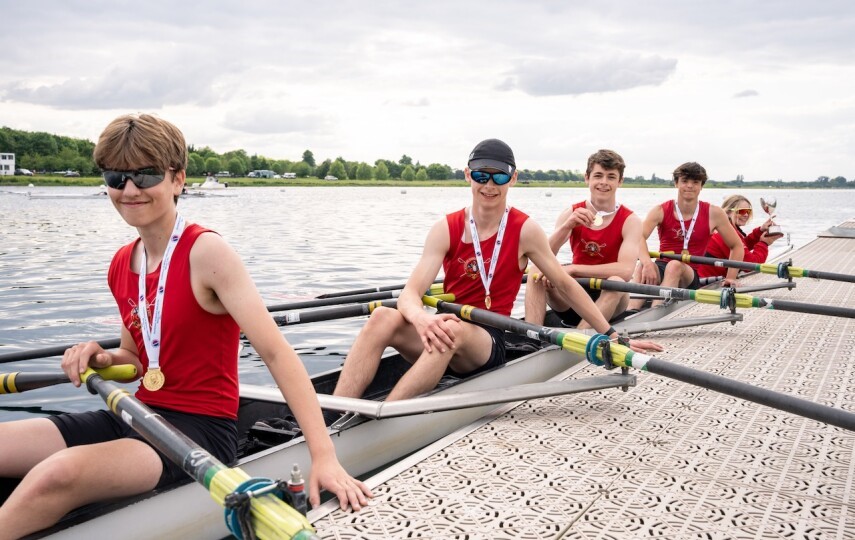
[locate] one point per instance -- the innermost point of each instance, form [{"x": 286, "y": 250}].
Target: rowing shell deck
[{"x": 666, "y": 459}]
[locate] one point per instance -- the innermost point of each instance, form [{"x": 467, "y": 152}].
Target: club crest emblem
[
  {"x": 593, "y": 249},
  {"x": 470, "y": 267}
]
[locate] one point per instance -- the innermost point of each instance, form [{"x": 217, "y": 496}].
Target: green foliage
[
  {"x": 381, "y": 171},
  {"x": 212, "y": 165},
  {"x": 338, "y": 170},
  {"x": 236, "y": 167},
  {"x": 405, "y": 160},
  {"x": 422, "y": 174},
  {"x": 302, "y": 169},
  {"x": 323, "y": 169},
  {"x": 364, "y": 172},
  {"x": 437, "y": 171},
  {"x": 408, "y": 174},
  {"x": 309, "y": 158},
  {"x": 195, "y": 164}
]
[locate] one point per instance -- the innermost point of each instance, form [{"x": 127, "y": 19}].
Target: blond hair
[{"x": 730, "y": 203}]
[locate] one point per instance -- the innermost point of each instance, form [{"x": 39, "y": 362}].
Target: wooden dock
[{"x": 664, "y": 460}]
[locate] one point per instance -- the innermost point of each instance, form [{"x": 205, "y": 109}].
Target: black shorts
[
  {"x": 216, "y": 435},
  {"x": 497, "y": 353},
  {"x": 570, "y": 318},
  {"x": 660, "y": 264}
]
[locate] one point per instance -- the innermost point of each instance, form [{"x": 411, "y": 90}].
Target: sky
[{"x": 758, "y": 88}]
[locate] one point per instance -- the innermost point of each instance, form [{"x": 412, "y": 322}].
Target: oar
[
  {"x": 369, "y": 290},
  {"x": 21, "y": 381},
  {"x": 270, "y": 517},
  {"x": 112, "y": 343},
  {"x": 723, "y": 298},
  {"x": 782, "y": 270},
  {"x": 589, "y": 347},
  {"x": 342, "y": 312},
  {"x": 53, "y": 350}
]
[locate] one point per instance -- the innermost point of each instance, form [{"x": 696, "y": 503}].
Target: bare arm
[
  {"x": 430, "y": 327},
  {"x": 534, "y": 245},
  {"x": 567, "y": 221},
  {"x": 737, "y": 251},
  {"x": 649, "y": 272},
  {"x": 222, "y": 284}
]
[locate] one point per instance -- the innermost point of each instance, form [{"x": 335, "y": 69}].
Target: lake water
[{"x": 296, "y": 242}]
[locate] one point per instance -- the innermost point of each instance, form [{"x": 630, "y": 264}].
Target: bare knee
[
  {"x": 385, "y": 320},
  {"x": 673, "y": 271},
  {"x": 59, "y": 473}
]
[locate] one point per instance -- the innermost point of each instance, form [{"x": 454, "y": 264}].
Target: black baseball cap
[{"x": 492, "y": 154}]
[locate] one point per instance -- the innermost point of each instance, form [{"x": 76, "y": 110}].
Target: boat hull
[{"x": 187, "y": 511}]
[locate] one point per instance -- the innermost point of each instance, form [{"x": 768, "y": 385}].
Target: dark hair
[
  {"x": 691, "y": 171},
  {"x": 607, "y": 159}
]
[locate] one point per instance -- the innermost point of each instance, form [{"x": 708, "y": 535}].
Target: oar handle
[{"x": 22, "y": 381}]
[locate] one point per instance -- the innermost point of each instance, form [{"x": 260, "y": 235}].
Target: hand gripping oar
[
  {"x": 724, "y": 298},
  {"x": 21, "y": 381},
  {"x": 270, "y": 517},
  {"x": 591, "y": 348},
  {"x": 343, "y": 312},
  {"x": 782, "y": 270}
]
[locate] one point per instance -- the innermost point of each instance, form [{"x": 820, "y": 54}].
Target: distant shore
[{"x": 47, "y": 181}]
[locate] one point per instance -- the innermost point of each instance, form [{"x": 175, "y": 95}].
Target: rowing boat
[{"x": 270, "y": 444}]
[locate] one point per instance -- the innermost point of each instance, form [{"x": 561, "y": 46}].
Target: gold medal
[
  {"x": 153, "y": 380},
  {"x": 487, "y": 302},
  {"x": 598, "y": 220}
]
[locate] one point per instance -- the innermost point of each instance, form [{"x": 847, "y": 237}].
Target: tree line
[{"x": 45, "y": 153}]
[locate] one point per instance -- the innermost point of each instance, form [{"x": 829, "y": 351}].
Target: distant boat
[
  {"x": 99, "y": 194},
  {"x": 211, "y": 183}
]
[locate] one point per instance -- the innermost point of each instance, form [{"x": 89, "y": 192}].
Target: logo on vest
[
  {"x": 593, "y": 249},
  {"x": 470, "y": 267}
]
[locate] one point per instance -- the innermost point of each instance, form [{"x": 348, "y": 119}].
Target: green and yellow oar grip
[
  {"x": 432, "y": 301},
  {"x": 435, "y": 289},
  {"x": 22, "y": 381},
  {"x": 705, "y": 296},
  {"x": 271, "y": 516},
  {"x": 577, "y": 343}
]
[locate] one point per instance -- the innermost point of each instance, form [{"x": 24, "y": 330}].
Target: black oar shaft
[
  {"x": 367, "y": 290},
  {"x": 741, "y": 390},
  {"x": 272, "y": 518},
  {"x": 55, "y": 350},
  {"x": 624, "y": 357},
  {"x": 765, "y": 268},
  {"x": 355, "y": 310},
  {"x": 816, "y": 309},
  {"x": 323, "y": 302}
]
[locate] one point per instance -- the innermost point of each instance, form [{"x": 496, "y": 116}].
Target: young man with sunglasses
[
  {"x": 685, "y": 225},
  {"x": 604, "y": 237},
  {"x": 183, "y": 296},
  {"x": 756, "y": 243},
  {"x": 484, "y": 250}
]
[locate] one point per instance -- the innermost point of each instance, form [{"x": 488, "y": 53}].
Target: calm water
[{"x": 296, "y": 242}]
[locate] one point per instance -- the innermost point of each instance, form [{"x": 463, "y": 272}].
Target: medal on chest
[
  {"x": 154, "y": 378},
  {"x": 487, "y": 275}
]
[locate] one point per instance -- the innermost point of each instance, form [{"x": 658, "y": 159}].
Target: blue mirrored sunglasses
[{"x": 482, "y": 177}]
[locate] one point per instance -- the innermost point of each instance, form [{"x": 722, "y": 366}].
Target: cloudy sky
[{"x": 759, "y": 88}]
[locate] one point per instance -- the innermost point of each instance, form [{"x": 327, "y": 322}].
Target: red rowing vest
[
  {"x": 461, "y": 266},
  {"x": 199, "y": 350},
  {"x": 601, "y": 246},
  {"x": 671, "y": 234}
]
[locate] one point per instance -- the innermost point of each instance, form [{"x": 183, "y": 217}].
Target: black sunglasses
[
  {"x": 482, "y": 177},
  {"x": 142, "y": 178}
]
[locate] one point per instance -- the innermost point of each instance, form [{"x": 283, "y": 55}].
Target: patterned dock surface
[{"x": 664, "y": 460}]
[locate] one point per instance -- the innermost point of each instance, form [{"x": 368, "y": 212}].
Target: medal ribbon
[
  {"x": 151, "y": 333},
  {"x": 604, "y": 214},
  {"x": 686, "y": 235},
  {"x": 487, "y": 277}
]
